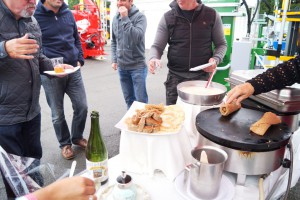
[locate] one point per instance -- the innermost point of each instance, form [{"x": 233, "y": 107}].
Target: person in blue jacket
[
  {"x": 60, "y": 39},
  {"x": 128, "y": 51}
]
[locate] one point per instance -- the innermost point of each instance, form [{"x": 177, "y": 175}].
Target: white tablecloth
[
  {"x": 143, "y": 154},
  {"x": 191, "y": 112}
]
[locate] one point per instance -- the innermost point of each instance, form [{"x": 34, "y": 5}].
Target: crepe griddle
[{"x": 233, "y": 131}]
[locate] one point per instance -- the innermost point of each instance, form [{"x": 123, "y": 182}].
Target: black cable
[
  {"x": 256, "y": 9},
  {"x": 248, "y": 17},
  {"x": 268, "y": 6}
]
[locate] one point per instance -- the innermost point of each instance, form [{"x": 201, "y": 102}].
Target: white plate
[
  {"x": 159, "y": 133},
  {"x": 138, "y": 105},
  {"x": 226, "y": 191},
  {"x": 66, "y": 72},
  {"x": 200, "y": 67},
  {"x": 107, "y": 194}
]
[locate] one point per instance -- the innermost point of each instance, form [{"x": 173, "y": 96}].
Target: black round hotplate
[{"x": 233, "y": 131}]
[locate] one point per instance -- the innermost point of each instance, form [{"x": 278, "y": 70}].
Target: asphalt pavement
[{"x": 104, "y": 95}]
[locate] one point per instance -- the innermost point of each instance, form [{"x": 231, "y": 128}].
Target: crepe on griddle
[
  {"x": 261, "y": 126},
  {"x": 228, "y": 108}
]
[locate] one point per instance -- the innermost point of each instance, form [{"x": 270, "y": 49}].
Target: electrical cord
[{"x": 290, "y": 170}]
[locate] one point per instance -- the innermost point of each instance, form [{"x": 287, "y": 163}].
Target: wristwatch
[{"x": 3, "y": 52}]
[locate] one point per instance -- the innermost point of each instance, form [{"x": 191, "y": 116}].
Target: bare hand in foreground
[
  {"x": 153, "y": 65},
  {"x": 75, "y": 188},
  {"x": 212, "y": 67},
  {"x": 123, "y": 11},
  {"x": 240, "y": 92},
  {"x": 21, "y": 47}
]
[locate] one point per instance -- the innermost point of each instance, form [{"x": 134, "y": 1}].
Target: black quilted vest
[{"x": 190, "y": 43}]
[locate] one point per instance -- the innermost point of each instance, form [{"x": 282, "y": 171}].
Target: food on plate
[
  {"x": 228, "y": 108},
  {"x": 59, "y": 69},
  {"x": 156, "y": 118},
  {"x": 198, "y": 90},
  {"x": 261, "y": 126},
  {"x": 172, "y": 118}
]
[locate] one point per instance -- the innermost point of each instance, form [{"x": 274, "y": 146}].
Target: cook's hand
[
  {"x": 78, "y": 64},
  {"x": 212, "y": 67},
  {"x": 21, "y": 47},
  {"x": 123, "y": 11},
  {"x": 153, "y": 65},
  {"x": 239, "y": 93},
  {"x": 114, "y": 66},
  {"x": 75, "y": 188}
]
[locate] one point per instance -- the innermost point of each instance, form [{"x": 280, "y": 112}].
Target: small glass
[
  {"x": 157, "y": 68},
  {"x": 57, "y": 64}
]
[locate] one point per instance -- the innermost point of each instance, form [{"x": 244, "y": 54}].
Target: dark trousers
[
  {"x": 22, "y": 139},
  {"x": 172, "y": 82}
]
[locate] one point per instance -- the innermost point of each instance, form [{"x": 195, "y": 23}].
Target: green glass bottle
[{"x": 96, "y": 153}]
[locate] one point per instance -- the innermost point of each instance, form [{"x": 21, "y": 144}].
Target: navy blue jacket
[{"x": 59, "y": 34}]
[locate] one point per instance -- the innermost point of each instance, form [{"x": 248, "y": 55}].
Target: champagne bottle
[{"x": 96, "y": 153}]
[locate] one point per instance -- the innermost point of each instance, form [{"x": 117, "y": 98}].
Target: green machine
[{"x": 228, "y": 10}]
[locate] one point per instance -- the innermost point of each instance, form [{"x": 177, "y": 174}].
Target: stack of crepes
[
  {"x": 172, "y": 118},
  {"x": 261, "y": 126},
  {"x": 228, "y": 108}
]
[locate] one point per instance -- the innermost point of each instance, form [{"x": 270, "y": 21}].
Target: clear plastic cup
[
  {"x": 57, "y": 64},
  {"x": 157, "y": 68}
]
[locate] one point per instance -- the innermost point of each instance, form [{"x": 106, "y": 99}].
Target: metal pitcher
[{"x": 205, "y": 178}]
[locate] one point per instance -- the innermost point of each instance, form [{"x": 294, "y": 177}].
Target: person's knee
[{"x": 58, "y": 116}]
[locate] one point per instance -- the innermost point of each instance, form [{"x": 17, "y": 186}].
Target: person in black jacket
[
  {"x": 191, "y": 29},
  {"x": 61, "y": 39},
  {"x": 21, "y": 63},
  {"x": 284, "y": 74}
]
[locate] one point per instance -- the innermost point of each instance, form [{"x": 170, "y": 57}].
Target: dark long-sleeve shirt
[
  {"x": 285, "y": 74},
  {"x": 60, "y": 34}
]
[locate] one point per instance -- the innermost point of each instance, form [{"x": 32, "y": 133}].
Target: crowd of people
[{"x": 31, "y": 35}]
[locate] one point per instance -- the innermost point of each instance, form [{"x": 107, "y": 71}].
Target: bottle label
[{"x": 97, "y": 170}]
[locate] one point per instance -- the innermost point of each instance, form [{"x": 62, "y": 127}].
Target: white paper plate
[
  {"x": 66, "y": 72},
  {"x": 226, "y": 191},
  {"x": 107, "y": 194},
  {"x": 138, "y": 105},
  {"x": 159, "y": 133},
  {"x": 200, "y": 67}
]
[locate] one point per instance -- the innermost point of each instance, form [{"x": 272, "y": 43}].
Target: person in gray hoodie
[
  {"x": 192, "y": 30},
  {"x": 128, "y": 51}
]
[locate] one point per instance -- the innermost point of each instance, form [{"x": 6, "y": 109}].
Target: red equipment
[{"x": 88, "y": 21}]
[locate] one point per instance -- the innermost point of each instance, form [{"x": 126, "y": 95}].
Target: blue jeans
[
  {"x": 22, "y": 139},
  {"x": 133, "y": 83},
  {"x": 55, "y": 90}
]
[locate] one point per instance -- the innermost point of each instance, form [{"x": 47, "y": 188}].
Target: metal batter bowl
[{"x": 204, "y": 100}]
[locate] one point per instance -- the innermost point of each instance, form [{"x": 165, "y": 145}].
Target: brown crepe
[
  {"x": 228, "y": 108},
  {"x": 261, "y": 126}
]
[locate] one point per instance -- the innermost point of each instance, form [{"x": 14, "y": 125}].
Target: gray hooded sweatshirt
[{"x": 128, "y": 40}]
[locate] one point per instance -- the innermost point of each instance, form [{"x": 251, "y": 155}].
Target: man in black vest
[{"x": 191, "y": 30}]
